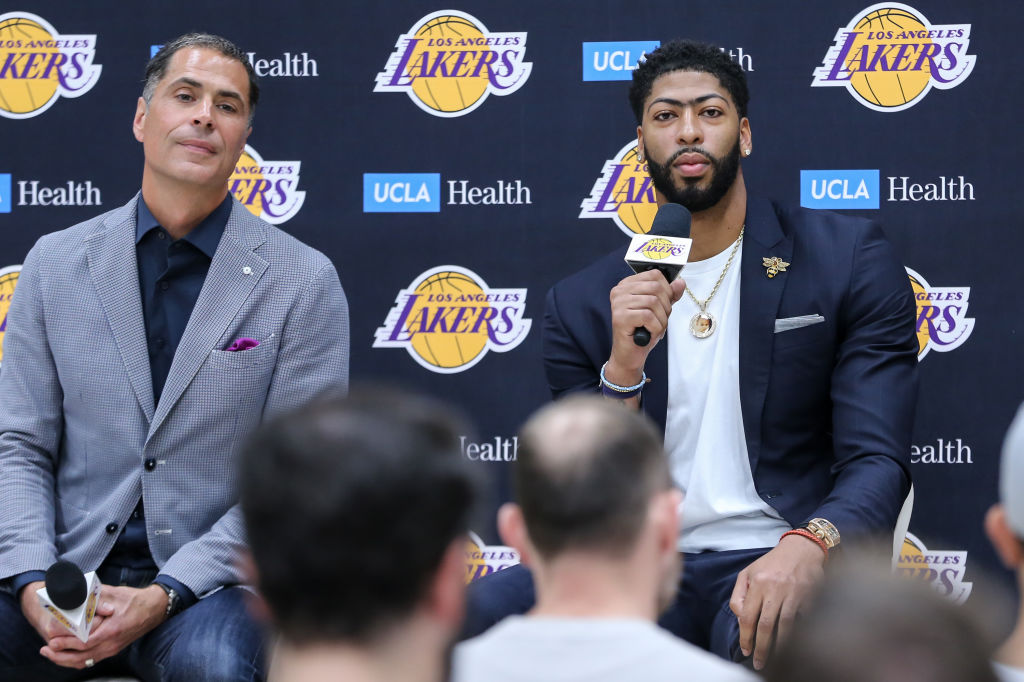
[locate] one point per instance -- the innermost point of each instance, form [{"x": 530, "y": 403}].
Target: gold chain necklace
[{"x": 703, "y": 324}]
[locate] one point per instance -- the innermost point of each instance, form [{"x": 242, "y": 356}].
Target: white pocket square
[{"x": 787, "y": 323}]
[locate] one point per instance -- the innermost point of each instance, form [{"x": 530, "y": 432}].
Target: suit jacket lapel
[
  {"x": 115, "y": 275},
  {"x": 226, "y": 288},
  {"x": 759, "y": 305}
]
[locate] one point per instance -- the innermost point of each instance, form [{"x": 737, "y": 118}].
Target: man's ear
[
  {"x": 257, "y": 605},
  {"x": 1008, "y": 546},
  {"x": 666, "y": 519},
  {"x": 512, "y": 529},
  {"x": 446, "y": 596},
  {"x": 141, "y": 109}
]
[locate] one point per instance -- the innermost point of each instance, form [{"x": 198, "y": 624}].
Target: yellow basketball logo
[
  {"x": 483, "y": 559},
  {"x": 889, "y": 56},
  {"x": 942, "y": 322},
  {"x": 943, "y": 570},
  {"x": 8, "y": 280},
  {"x": 657, "y": 248},
  {"x": 38, "y": 65},
  {"x": 267, "y": 188},
  {"x": 449, "y": 62},
  {"x": 623, "y": 193},
  {"x": 449, "y": 318}
]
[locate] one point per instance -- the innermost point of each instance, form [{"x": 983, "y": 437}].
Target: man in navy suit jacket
[{"x": 793, "y": 414}]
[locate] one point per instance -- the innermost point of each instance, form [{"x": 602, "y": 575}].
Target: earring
[
  {"x": 746, "y": 152},
  {"x": 640, "y": 156}
]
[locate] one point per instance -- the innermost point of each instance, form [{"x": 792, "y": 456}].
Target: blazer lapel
[
  {"x": 234, "y": 272},
  {"x": 115, "y": 275},
  {"x": 759, "y": 305}
]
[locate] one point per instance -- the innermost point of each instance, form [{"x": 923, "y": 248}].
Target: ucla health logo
[
  {"x": 942, "y": 322},
  {"x": 836, "y": 189},
  {"x": 39, "y": 65},
  {"x": 449, "y": 318},
  {"x": 614, "y": 61},
  {"x": 889, "y": 56},
  {"x": 449, "y": 62},
  {"x": 623, "y": 193},
  {"x": 6, "y": 200},
  {"x": 401, "y": 192},
  {"x": 269, "y": 189},
  {"x": 483, "y": 559},
  {"x": 943, "y": 570},
  {"x": 8, "y": 280}
]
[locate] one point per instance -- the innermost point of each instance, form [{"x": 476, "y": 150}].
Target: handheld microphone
[
  {"x": 70, "y": 596},
  {"x": 665, "y": 249}
]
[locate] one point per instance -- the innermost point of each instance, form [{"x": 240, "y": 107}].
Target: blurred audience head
[
  {"x": 357, "y": 510},
  {"x": 592, "y": 479},
  {"x": 1005, "y": 520},
  {"x": 866, "y": 625}
]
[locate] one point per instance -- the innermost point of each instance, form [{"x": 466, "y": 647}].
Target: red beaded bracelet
[{"x": 804, "y": 533}]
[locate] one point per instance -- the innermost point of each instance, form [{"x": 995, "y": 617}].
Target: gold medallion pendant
[{"x": 702, "y": 325}]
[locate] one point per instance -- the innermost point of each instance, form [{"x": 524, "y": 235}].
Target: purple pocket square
[{"x": 242, "y": 344}]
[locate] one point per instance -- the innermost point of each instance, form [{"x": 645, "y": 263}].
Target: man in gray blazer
[{"x": 141, "y": 347}]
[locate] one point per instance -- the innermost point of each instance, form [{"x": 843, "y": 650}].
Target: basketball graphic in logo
[
  {"x": 449, "y": 62},
  {"x": 448, "y": 319}
]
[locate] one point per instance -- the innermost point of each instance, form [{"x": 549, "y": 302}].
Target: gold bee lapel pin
[{"x": 774, "y": 265}]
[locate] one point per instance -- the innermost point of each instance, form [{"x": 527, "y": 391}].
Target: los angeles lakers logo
[
  {"x": 269, "y": 189},
  {"x": 943, "y": 570},
  {"x": 449, "y": 318},
  {"x": 38, "y": 65},
  {"x": 623, "y": 193},
  {"x": 483, "y": 559},
  {"x": 889, "y": 56},
  {"x": 942, "y": 322},
  {"x": 449, "y": 62},
  {"x": 8, "y": 280}
]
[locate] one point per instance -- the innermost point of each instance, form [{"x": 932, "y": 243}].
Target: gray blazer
[{"x": 77, "y": 415}]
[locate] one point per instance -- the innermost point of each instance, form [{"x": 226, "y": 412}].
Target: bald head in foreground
[{"x": 596, "y": 520}]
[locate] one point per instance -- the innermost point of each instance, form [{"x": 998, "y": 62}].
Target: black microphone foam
[
  {"x": 671, "y": 220},
  {"x": 65, "y": 584}
]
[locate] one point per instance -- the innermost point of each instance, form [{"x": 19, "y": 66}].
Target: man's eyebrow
[
  {"x": 695, "y": 100},
  {"x": 196, "y": 84}
]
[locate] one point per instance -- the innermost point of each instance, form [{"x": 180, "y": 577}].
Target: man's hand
[
  {"x": 37, "y": 616},
  {"x": 642, "y": 300},
  {"x": 124, "y": 614},
  {"x": 770, "y": 592}
]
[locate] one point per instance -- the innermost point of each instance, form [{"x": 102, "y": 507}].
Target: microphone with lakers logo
[
  {"x": 665, "y": 248},
  {"x": 70, "y": 596}
]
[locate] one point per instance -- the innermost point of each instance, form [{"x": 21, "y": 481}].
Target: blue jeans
[
  {"x": 213, "y": 640},
  {"x": 700, "y": 613}
]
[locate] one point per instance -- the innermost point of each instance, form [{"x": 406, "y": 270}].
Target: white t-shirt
[
  {"x": 1007, "y": 674},
  {"x": 532, "y": 648},
  {"x": 704, "y": 425}
]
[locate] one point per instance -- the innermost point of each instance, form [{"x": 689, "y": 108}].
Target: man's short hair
[
  {"x": 688, "y": 55},
  {"x": 585, "y": 474},
  {"x": 157, "y": 66},
  {"x": 350, "y": 505},
  {"x": 1011, "y": 475}
]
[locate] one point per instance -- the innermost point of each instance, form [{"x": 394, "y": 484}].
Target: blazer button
[
  {"x": 150, "y": 464},
  {"x": 111, "y": 528}
]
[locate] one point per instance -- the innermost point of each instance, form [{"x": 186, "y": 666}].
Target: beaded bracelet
[
  {"x": 804, "y": 533},
  {"x": 610, "y": 390}
]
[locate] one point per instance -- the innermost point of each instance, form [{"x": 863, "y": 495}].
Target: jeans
[{"x": 215, "y": 640}]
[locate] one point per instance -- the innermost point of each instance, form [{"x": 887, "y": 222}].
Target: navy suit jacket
[{"x": 827, "y": 408}]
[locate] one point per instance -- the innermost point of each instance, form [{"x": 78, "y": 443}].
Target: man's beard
[{"x": 694, "y": 198}]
